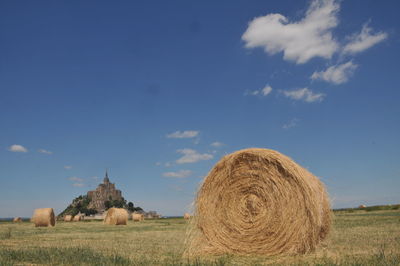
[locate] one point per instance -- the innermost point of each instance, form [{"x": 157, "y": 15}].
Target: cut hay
[
  {"x": 67, "y": 218},
  {"x": 137, "y": 217},
  {"x": 186, "y": 216},
  {"x": 258, "y": 201},
  {"x": 116, "y": 216},
  {"x": 77, "y": 218},
  {"x": 17, "y": 220},
  {"x": 43, "y": 217}
]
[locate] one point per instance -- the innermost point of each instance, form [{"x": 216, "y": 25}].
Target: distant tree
[
  {"x": 107, "y": 204},
  {"x": 131, "y": 207}
]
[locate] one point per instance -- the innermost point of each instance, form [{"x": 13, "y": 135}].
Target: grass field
[{"x": 357, "y": 238}]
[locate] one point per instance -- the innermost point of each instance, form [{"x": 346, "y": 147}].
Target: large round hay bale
[
  {"x": 116, "y": 216},
  {"x": 259, "y": 201},
  {"x": 43, "y": 217},
  {"x": 186, "y": 216},
  {"x": 67, "y": 218},
  {"x": 17, "y": 220},
  {"x": 137, "y": 217}
]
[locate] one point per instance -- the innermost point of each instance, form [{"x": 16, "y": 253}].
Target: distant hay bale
[
  {"x": 67, "y": 218},
  {"x": 186, "y": 216},
  {"x": 258, "y": 201},
  {"x": 77, "y": 218},
  {"x": 137, "y": 217},
  {"x": 362, "y": 206},
  {"x": 43, "y": 217},
  {"x": 17, "y": 220},
  {"x": 116, "y": 216}
]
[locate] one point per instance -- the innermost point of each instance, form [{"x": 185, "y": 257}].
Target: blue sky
[{"x": 159, "y": 91}]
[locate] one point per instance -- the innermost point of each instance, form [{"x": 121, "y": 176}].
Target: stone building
[{"x": 104, "y": 192}]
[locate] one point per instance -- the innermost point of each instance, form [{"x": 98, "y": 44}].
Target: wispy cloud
[
  {"x": 217, "y": 144},
  {"x": 304, "y": 94},
  {"x": 336, "y": 74},
  {"x": 78, "y": 184},
  {"x": 261, "y": 92},
  {"x": 74, "y": 178},
  {"x": 67, "y": 167},
  {"x": 363, "y": 40},
  {"x": 192, "y": 156},
  {"x": 178, "y": 174},
  {"x": 45, "y": 151},
  {"x": 299, "y": 40},
  {"x": 292, "y": 123},
  {"x": 183, "y": 134},
  {"x": 17, "y": 148}
]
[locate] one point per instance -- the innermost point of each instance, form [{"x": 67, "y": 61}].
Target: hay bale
[
  {"x": 17, "y": 220},
  {"x": 67, "y": 218},
  {"x": 116, "y": 216},
  {"x": 186, "y": 216},
  {"x": 43, "y": 217},
  {"x": 77, "y": 218},
  {"x": 258, "y": 201},
  {"x": 137, "y": 217},
  {"x": 362, "y": 206}
]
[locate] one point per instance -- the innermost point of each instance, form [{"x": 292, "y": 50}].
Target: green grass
[{"x": 357, "y": 238}]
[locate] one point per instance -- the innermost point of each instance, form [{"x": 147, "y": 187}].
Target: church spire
[{"x": 106, "y": 180}]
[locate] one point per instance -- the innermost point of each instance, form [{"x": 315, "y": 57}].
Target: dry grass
[
  {"x": 258, "y": 201},
  {"x": 357, "y": 238}
]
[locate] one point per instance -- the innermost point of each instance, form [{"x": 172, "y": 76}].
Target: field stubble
[{"x": 357, "y": 238}]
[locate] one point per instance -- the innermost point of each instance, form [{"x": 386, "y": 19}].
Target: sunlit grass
[{"x": 357, "y": 238}]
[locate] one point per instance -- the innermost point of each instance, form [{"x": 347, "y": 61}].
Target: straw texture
[
  {"x": 67, "y": 218},
  {"x": 186, "y": 216},
  {"x": 258, "y": 201},
  {"x": 116, "y": 216},
  {"x": 137, "y": 217},
  {"x": 43, "y": 217}
]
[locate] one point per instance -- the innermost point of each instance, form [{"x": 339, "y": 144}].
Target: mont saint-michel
[{"x": 99, "y": 200}]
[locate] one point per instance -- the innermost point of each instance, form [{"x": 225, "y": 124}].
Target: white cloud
[
  {"x": 17, "y": 148},
  {"x": 304, "y": 94},
  {"x": 168, "y": 164},
  {"x": 291, "y": 123},
  {"x": 183, "y": 135},
  {"x": 45, "y": 151},
  {"x": 78, "y": 184},
  {"x": 192, "y": 156},
  {"x": 74, "y": 178},
  {"x": 67, "y": 167},
  {"x": 179, "y": 174},
  {"x": 263, "y": 92},
  {"x": 95, "y": 177},
  {"x": 300, "y": 40},
  {"x": 217, "y": 144},
  {"x": 359, "y": 42},
  {"x": 336, "y": 74}
]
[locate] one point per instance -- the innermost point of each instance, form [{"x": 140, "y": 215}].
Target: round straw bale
[
  {"x": 186, "y": 216},
  {"x": 43, "y": 217},
  {"x": 362, "y": 206},
  {"x": 258, "y": 201},
  {"x": 137, "y": 217},
  {"x": 77, "y": 218},
  {"x": 17, "y": 220},
  {"x": 116, "y": 216},
  {"x": 67, "y": 218}
]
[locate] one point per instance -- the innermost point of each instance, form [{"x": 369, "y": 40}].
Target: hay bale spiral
[
  {"x": 67, "y": 218},
  {"x": 137, "y": 217},
  {"x": 116, "y": 216},
  {"x": 43, "y": 217},
  {"x": 17, "y": 220},
  {"x": 186, "y": 216},
  {"x": 258, "y": 201}
]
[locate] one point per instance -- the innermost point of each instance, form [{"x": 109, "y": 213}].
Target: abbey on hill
[
  {"x": 99, "y": 200},
  {"x": 103, "y": 193}
]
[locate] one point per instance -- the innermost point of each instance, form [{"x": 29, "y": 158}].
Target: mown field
[{"x": 357, "y": 238}]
